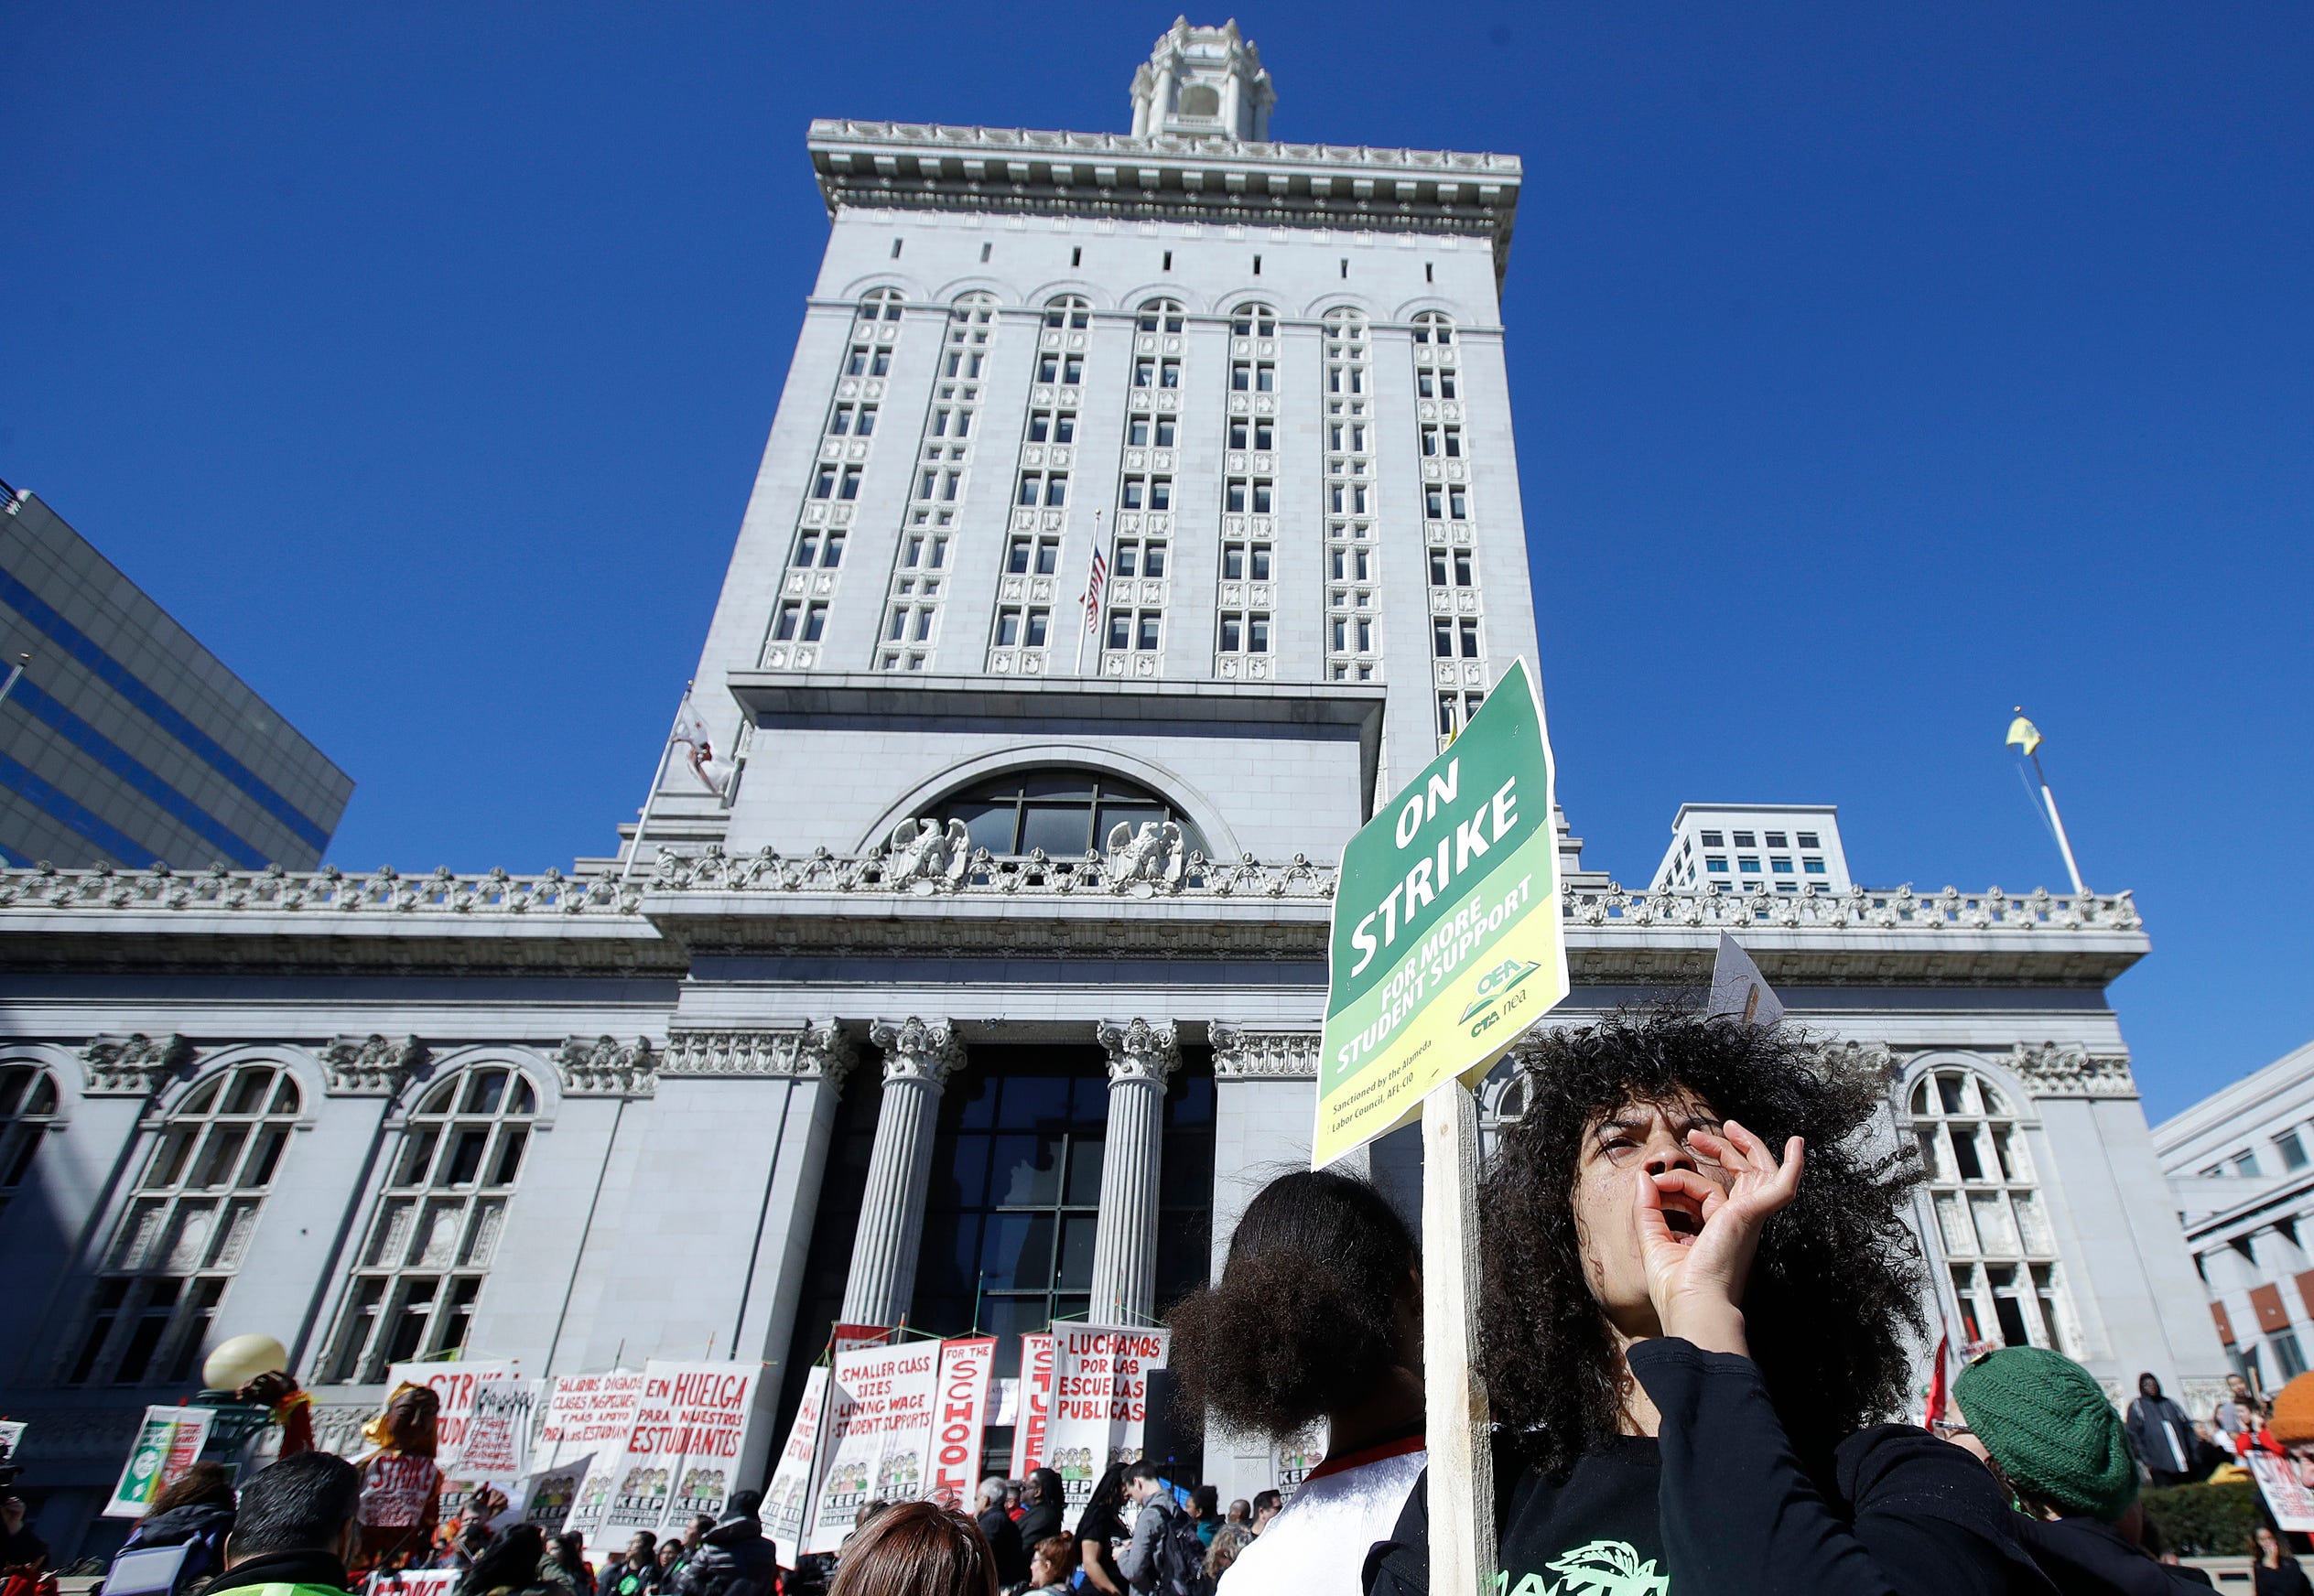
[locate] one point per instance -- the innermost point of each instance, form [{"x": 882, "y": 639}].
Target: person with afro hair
[
  {"x": 1317, "y": 1315},
  {"x": 1699, "y": 1297}
]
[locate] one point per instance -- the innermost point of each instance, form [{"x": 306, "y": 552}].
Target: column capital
[
  {"x": 1140, "y": 1050},
  {"x": 925, "y": 1050}
]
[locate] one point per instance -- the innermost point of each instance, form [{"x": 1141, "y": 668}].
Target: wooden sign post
[
  {"x": 1461, "y": 1462},
  {"x": 1446, "y": 946}
]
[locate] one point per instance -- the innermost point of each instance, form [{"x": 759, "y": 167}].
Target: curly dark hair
[
  {"x": 1302, "y": 1322},
  {"x": 1834, "y": 1290}
]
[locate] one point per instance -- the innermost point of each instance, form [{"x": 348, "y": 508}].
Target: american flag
[{"x": 1093, "y": 590}]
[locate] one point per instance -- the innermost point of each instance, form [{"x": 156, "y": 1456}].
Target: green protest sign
[{"x": 1446, "y": 940}]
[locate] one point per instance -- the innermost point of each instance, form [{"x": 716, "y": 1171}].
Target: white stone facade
[
  {"x": 980, "y": 952},
  {"x": 2241, "y": 1165}
]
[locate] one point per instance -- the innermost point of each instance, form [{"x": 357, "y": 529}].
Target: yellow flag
[{"x": 2024, "y": 734}]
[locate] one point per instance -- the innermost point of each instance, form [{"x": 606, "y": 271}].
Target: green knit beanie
[{"x": 2051, "y": 1428}]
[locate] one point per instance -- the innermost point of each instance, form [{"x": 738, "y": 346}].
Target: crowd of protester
[{"x": 1699, "y": 1308}]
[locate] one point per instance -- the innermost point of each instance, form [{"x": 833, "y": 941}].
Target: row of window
[
  {"x": 189, "y": 1220},
  {"x": 1749, "y": 864},
  {"x": 1043, "y": 483},
  {"x": 2289, "y": 1147}
]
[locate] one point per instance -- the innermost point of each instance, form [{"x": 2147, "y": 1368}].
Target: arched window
[
  {"x": 1067, "y": 813},
  {"x": 972, "y": 313},
  {"x": 1253, "y": 319},
  {"x": 188, "y": 1226},
  {"x": 1160, "y": 316},
  {"x": 880, "y": 305},
  {"x": 1432, "y": 327},
  {"x": 430, "y": 1242},
  {"x": 1068, "y": 310},
  {"x": 28, "y": 1107},
  {"x": 1990, "y": 1218}
]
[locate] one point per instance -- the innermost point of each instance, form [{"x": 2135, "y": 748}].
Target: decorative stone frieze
[
  {"x": 918, "y": 1050},
  {"x": 1871, "y": 1055},
  {"x": 817, "y": 1051},
  {"x": 607, "y": 1067},
  {"x": 274, "y": 889},
  {"x": 370, "y": 1066},
  {"x": 1263, "y": 1055},
  {"x": 130, "y": 1066},
  {"x": 1140, "y": 1050},
  {"x": 2052, "y": 1068}
]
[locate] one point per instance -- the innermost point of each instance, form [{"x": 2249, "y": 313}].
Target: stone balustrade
[{"x": 1603, "y": 906}]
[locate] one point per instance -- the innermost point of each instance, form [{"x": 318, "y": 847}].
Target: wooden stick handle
[{"x": 1462, "y": 1469}]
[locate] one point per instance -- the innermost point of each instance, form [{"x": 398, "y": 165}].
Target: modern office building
[
  {"x": 1755, "y": 848},
  {"x": 2241, "y": 1163},
  {"x": 986, "y": 987},
  {"x": 126, "y": 742}
]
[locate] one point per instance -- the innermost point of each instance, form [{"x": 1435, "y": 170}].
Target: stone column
[
  {"x": 919, "y": 1057},
  {"x": 1141, "y": 1060}
]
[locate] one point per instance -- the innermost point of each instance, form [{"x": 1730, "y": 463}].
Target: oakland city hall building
[{"x": 978, "y": 978}]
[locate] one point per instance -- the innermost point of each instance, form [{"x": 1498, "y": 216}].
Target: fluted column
[
  {"x": 1142, "y": 1059},
  {"x": 919, "y": 1057}
]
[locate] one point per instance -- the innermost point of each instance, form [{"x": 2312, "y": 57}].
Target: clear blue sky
[{"x": 1876, "y": 369}]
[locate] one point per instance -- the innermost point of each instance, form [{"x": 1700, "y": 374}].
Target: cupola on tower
[{"x": 1203, "y": 83}]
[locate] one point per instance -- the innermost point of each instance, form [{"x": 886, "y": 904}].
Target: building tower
[{"x": 1253, "y": 392}]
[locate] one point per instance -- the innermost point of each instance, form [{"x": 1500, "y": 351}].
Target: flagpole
[
  {"x": 658, "y": 777},
  {"x": 2056, "y": 820}
]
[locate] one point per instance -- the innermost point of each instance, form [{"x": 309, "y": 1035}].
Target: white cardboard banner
[
  {"x": 880, "y": 1434},
  {"x": 1036, "y": 1403},
  {"x": 1100, "y": 1401},
  {"x": 543, "y": 1497},
  {"x": 2287, "y": 1497},
  {"x": 586, "y": 1415},
  {"x": 460, "y": 1384},
  {"x": 168, "y": 1442},
  {"x": 960, "y": 1414},
  {"x": 790, "y": 1496},
  {"x": 690, "y": 1426}
]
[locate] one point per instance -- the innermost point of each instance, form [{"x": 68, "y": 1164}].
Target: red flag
[{"x": 1940, "y": 1395}]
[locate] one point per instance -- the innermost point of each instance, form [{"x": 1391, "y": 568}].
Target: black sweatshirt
[{"x": 1718, "y": 1504}]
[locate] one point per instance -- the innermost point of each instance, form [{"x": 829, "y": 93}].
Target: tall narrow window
[
  {"x": 28, "y": 1107},
  {"x": 187, "y": 1229},
  {"x": 1990, "y": 1224},
  {"x": 436, "y": 1229}
]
